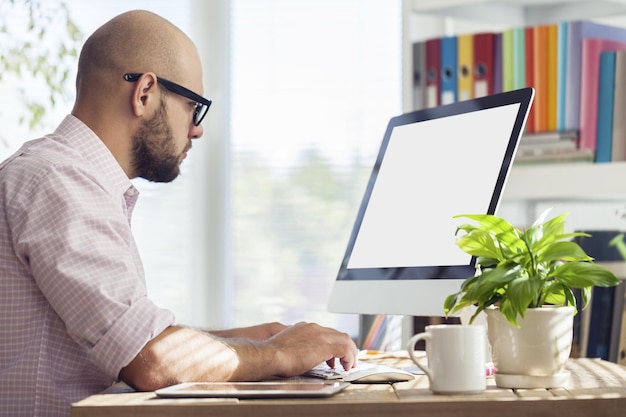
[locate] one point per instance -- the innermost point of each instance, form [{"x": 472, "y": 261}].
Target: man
[{"x": 75, "y": 315}]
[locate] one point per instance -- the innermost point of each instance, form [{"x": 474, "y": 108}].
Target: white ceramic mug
[{"x": 456, "y": 358}]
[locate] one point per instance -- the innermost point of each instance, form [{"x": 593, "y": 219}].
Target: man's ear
[{"x": 144, "y": 94}]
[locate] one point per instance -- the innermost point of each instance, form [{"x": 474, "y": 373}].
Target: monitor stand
[{"x": 391, "y": 333}]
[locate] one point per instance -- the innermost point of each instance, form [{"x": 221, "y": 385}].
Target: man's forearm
[{"x": 180, "y": 354}]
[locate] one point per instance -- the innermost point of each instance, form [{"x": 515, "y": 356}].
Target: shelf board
[
  {"x": 521, "y": 12},
  {"x": 567, "y": 181}
]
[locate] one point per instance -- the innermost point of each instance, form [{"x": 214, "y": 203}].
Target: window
[
  {"x": 161, "y": 221},
  {"x": 314, "y": 84}
]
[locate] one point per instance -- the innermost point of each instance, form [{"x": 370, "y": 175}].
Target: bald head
[
  {"x": 116, "y": 110},
  {"x": 136, "y": 41}
]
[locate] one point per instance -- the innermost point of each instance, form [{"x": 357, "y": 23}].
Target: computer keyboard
[
  {"x": 324, "y": 371},
  {"x": 363, "y": 372}
]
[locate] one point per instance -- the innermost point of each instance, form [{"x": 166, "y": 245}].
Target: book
[
  {"x": 465, "y": 45},
  {"x": 519, "y": 58},
  {"x": 529, "y": 72},
  {"x": 497, "y": 63},
  {"x": 563, "y": 28},
  {"x": 606, "y": 88},
  {"x": 483, "y": 64},
  {"x": 553, "y": 136},
  {"x": 540, "y": 77},
  {"x": 433, "y": 63},
  {"x": 419, "y": 75},
  {"x": 606, "y": 304},
  {"x": 600, "y": 335},
  {"x": 618, "y": 139},
  {"x": 547, "y": 143},
  {"x": 544, "y": 146},
  {"x": 552, "y": 73},
  {"x": 526, "y": 150},
  {"x": 592, "y": 48},
  {"x": 576, "y": 155},
  {"x": 577, "y": 31},
  {"x": 507, "y": 60},
  {"x": 448, "y": 74}
]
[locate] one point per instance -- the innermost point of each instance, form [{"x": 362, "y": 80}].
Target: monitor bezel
[{"x": 375, "y": 286}]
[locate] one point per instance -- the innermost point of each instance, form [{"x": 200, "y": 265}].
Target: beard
[{"x": 154, "y": 150}]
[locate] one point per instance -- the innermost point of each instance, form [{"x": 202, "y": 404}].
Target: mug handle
[{"x": 411, "y": 350}]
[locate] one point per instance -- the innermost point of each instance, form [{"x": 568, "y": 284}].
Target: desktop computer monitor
[{"x": 433, "y": 164}]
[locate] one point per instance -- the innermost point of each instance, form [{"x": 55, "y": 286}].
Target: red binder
[
  {"x": 433, "y": 63},
  {"x": 484, "y": 69}
]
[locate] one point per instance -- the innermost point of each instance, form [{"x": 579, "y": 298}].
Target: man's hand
[{"x": 305, "y": 345}]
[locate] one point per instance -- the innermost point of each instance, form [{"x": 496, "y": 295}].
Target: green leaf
[
  {"x": 555, "y": 294},
  {"x": 509, "y": 312},
  {"x": 571, "y": 299},
  {"x": 523, "y": 292},
  {"x": 491, "y": 280},
  {"x": 555, "y": 226},
  {"x": 468, "y": 283},
  {"x": 490, "y": 222},
  {"x": 618, "y": 243},
  {"x": 479, "y": 243},
  {"x": 450, "y": 302},
  {"x": 584, "y": 274},
  {"x": 543, "y": 233},
  {"x": 482, "y": 261},
  {"x": 586, "y": 296},
  {"x": 569, "y": 251}
]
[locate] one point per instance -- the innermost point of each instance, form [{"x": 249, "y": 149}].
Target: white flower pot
[{"x": 532, "y": 355}]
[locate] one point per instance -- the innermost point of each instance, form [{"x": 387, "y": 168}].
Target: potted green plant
[{"x": 525, "y": 282}]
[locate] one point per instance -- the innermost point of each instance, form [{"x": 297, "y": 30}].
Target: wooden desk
[{"x": 597, "y": 388}]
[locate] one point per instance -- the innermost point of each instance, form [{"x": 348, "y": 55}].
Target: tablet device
[{"x": 265, "y": 389}]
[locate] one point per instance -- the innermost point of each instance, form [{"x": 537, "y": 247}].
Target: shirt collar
[{"x": 95, "y": 152}]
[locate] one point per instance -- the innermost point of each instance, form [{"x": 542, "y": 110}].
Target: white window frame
[{"x": 211, "y": 201}]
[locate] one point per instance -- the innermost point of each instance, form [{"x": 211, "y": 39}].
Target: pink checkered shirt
[{"x": 73, "y": 303}]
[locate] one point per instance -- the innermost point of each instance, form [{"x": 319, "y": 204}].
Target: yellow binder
[{"x": 465, "y": 73}]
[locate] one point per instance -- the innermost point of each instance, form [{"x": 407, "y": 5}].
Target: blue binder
[
  {"x": 448, "y": 74},
  {"x": 606, "y": 93}
]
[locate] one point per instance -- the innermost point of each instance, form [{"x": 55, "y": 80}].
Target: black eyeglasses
[{"x": 202, "y": 104}]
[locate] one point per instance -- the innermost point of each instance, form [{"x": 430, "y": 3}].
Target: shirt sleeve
[{"x": 75, "y": 237}]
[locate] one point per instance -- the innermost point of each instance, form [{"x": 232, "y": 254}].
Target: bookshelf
[
  {"x": 594, "y": 193},
  {"x": 567, "y": 182},
  {"x": 527, "y": 184},
  {"x": 520, "y": 12}
]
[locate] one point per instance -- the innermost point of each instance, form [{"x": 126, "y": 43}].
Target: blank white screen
[{"x": 432, "y": 171}]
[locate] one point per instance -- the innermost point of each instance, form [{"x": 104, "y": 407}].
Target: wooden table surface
[{"x": 596, "y": 388}]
